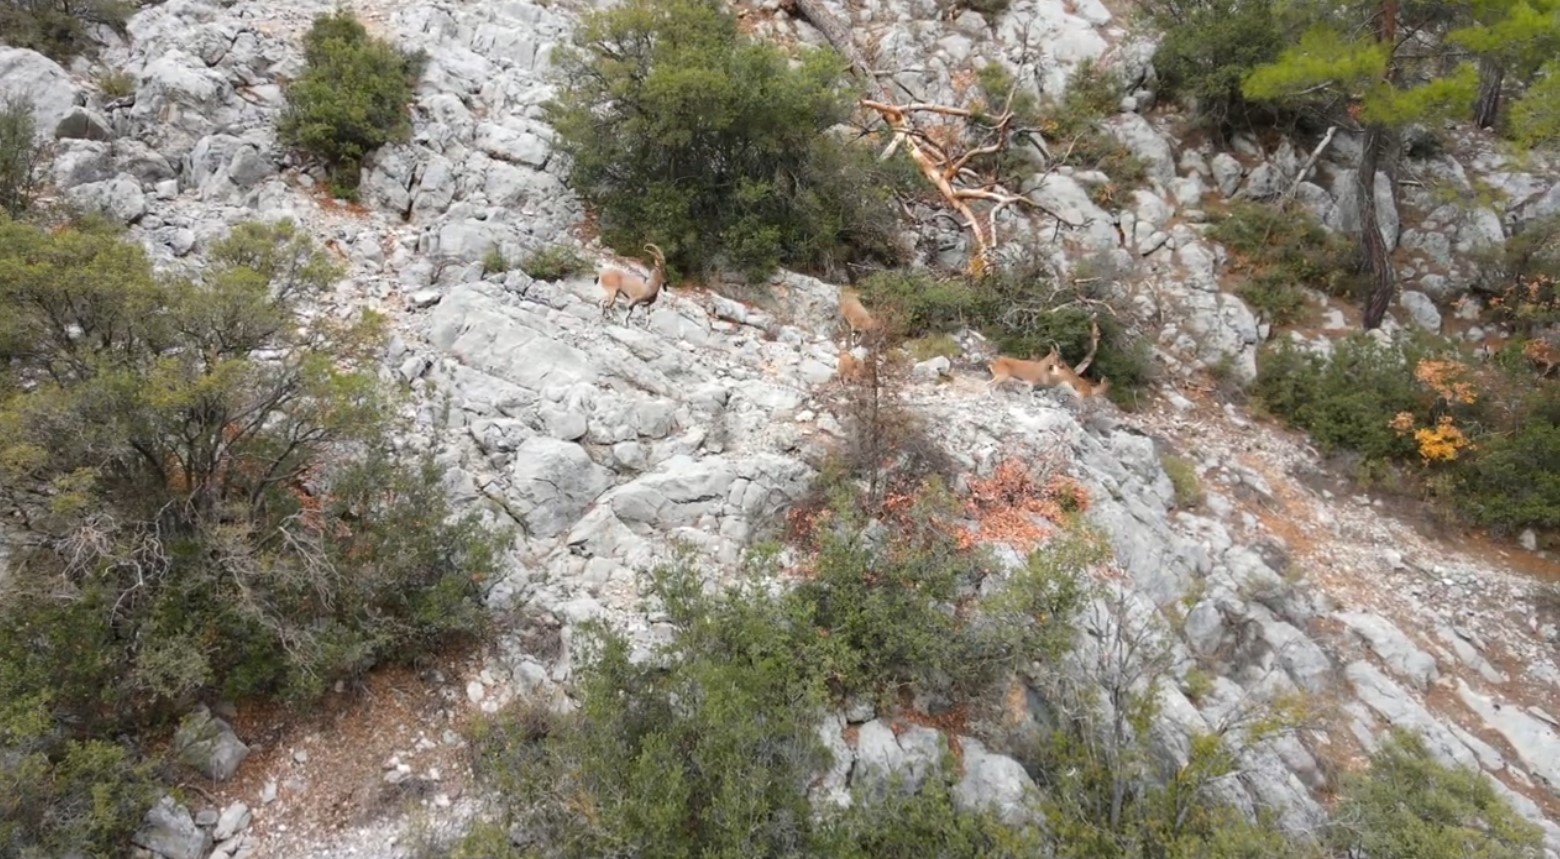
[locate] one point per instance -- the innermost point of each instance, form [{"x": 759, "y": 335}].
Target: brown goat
[
  {"x": 1060, "y": 372},
  {"x": 850, "y": 366},
  {"x": 856, "y": 315},
  {"x": 639, "y": 291},
  {"x": 1033, "y": 373}
]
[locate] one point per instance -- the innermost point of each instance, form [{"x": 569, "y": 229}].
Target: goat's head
[{"x": 655, "y": 252}]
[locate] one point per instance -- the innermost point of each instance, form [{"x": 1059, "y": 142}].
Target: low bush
[
  {"x": 58, "y": 795},
  {"x": 1485, "y": 438},
  {"x": 1346, "y": 401},
  {"x": 554, "y": 262},
  {"x": 351, "y": 99},
  {"x": 1279, "y": 250},
  {"x": 1409, "y": 806},
  {"x": 1183, "y": 479},
  {"x": 191, "y": 517},
  {"x": 1025, "y": 310},
  {"x": 60, "y": 29},
  {"x": 116, "y": 84},
  {"x": 1208, "y": 48},
  {"x": 493, "y": 262},
  {"x": 708, "y": 747},
  {"x": 1513, "y": 480},
  {"x": 719, "y": 148}
]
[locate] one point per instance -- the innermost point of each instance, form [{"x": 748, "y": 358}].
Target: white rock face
[{"x": 608, "y": 442}]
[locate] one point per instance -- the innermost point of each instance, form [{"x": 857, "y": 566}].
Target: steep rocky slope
[{"x": 608, "y": 442}]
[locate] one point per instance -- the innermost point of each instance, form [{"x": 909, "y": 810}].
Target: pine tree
[
  {"x": 1513, "y": 39},
  {"x": 1353, "y": 64}
]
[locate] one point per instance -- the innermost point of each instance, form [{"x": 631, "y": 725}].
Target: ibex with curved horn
[{"x": 640, "y": 291}]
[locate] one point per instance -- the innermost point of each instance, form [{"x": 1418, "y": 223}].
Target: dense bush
[
  {"x": 203, "y": 483},
  {"x": 1513, "y": 480},
  {"x": 1346, "y": 401},
  {"x": 352, "y": 97},
  {"x": 1025, "y": 310},
  {"x": 683, "y": 132},
  {"x": 1486, "y": 437},
  {"x": 1207, "y": 50},
  {"x": 20, "y": 156},
  {"x": 61, "y": 796},
  {"x": 707, "y": 748},
  {"x": 1277, "y": 251},
  {"x": 1408, "y": 806},
  {"x": 59, "y": 29},
  {"x": 554, "y": 262}
]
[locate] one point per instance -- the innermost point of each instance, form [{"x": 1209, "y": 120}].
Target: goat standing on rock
[{"x": 640, "y": 291}]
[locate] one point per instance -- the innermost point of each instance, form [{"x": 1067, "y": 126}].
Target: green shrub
[
  {"x": 1279, "y": 250},
  {"x": 59, "y": 29},
  {"x": 934, "y": 346},
  {"x": 60, "y": 794},
  {"x": 116, "y": 84},
  {"x": 1348, "y": 401},
  {"x": 707, "y": 747},
  {"x": 924, "y": 303},
  {"x": 1275, "y": 299},
  {"x": 493, "y": 261},
  {"x": 197, "y": 519},
  {"x": 1183, "y": 478},
  {"x": 1513, "y": 479},
  {"x": 352, "y": 97},
  {"x": 554, "y": 262},
  {"x": 1024, "y": 310},
  {"x": 20, "y": 156},
  {"x": 1208, "y": 48},
  {"x": 684, "y": 132},
  {"x": 1408, "y": 806},
  {"x": 898, "y": 824}
]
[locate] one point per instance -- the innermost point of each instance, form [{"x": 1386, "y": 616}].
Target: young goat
[
  {"x": 1060, "y": 372},
  {"x": 851, "y": 364},
  {"x": 1033, "y": 373},
  {"x": 856, "y": 315},
  {"x": 639, "y": 291}
]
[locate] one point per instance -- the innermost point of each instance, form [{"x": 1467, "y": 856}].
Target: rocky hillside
[{"x": 608, "y": 442}]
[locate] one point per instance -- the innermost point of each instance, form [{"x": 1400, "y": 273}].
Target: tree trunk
[
  {"x": 1486, "y": 107},
  {"x": 1373, "y": 245},
  {"x": 838, "y": 35}
]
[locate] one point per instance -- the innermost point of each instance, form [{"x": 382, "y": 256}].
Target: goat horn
[{"x": 653, "y": 249}]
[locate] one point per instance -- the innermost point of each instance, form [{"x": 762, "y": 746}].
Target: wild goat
[
  {"x": 1034, "y": 373},
  {"x": 1051, "y": 370},
  {"x": 856, "y": 315},
  {"x": 1543, "y": 355},
  {"x": 640, "y": 291},
  {"x": 851, "y": 364},
  {"x": 1063, "y": 373}
]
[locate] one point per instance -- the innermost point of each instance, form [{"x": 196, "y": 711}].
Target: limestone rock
[
  {"x": 209, "y": 745},
  {"x": 169, "y": 832}
]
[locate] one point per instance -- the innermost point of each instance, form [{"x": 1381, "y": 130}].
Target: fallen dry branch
[
  {"x": 943, "y": 169},
  {"x": 950, "y": 174}
]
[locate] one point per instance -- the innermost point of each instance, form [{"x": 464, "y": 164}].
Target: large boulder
[{"x": 41, "y": 80}]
